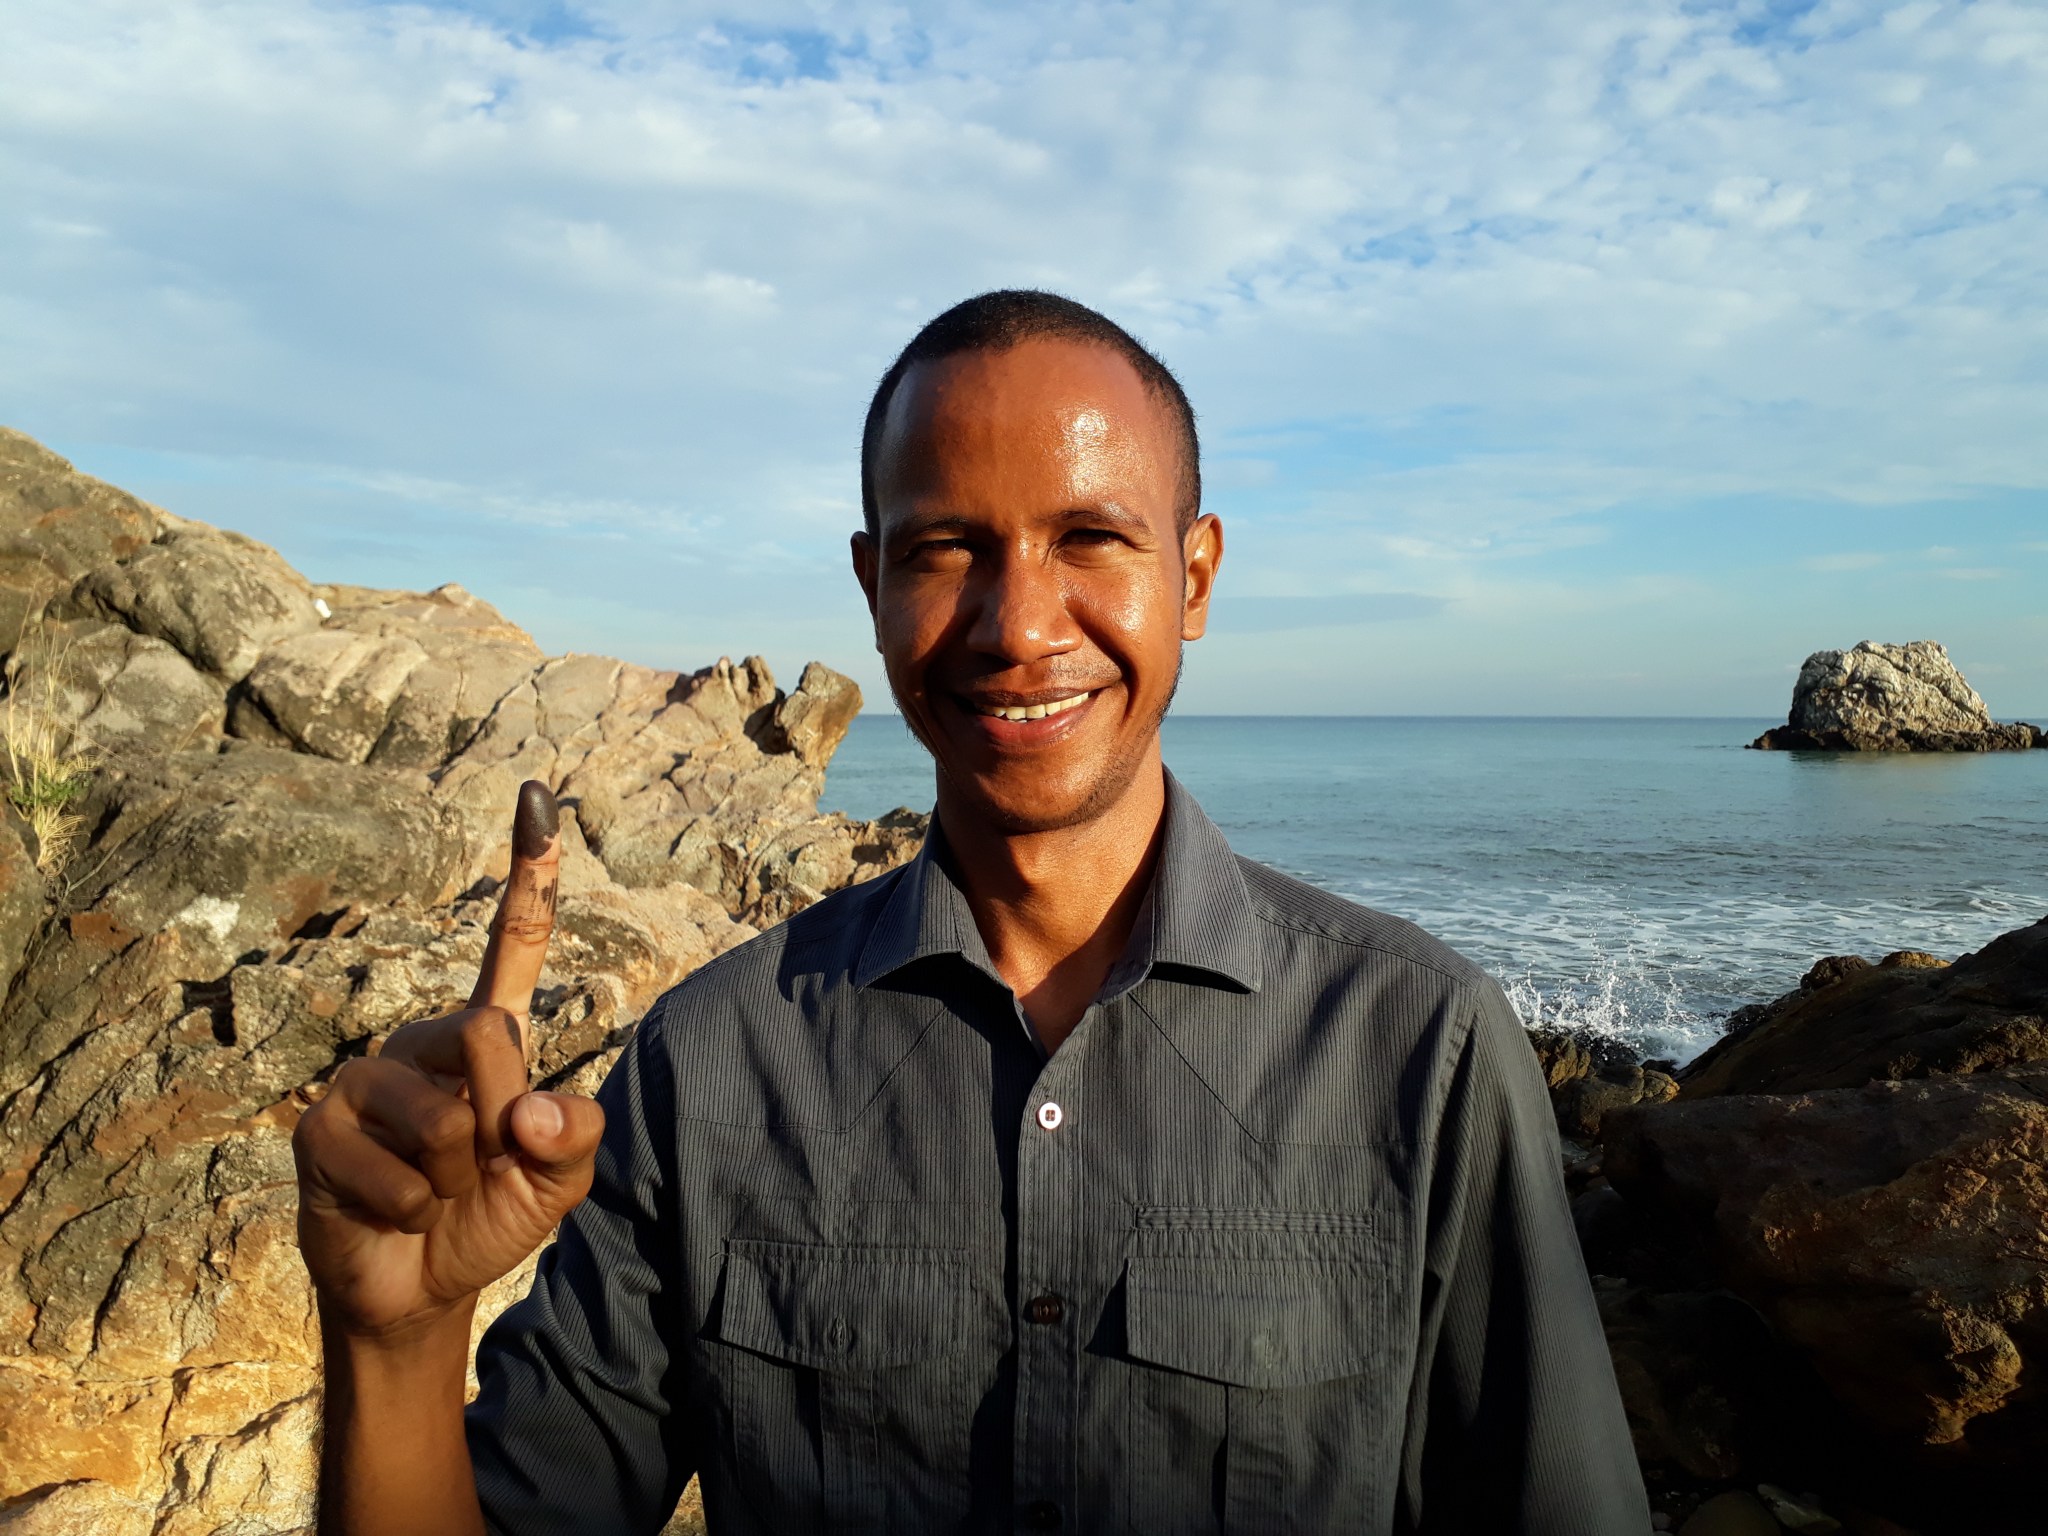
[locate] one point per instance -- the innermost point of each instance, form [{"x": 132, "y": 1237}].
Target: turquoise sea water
[{"x": 1638, "y": 878}]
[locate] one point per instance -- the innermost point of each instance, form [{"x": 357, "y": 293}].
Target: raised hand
[{"x": 430, "y": 1170}]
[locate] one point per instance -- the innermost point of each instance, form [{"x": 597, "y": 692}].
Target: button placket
[{"x": 1048, "y": 1180}]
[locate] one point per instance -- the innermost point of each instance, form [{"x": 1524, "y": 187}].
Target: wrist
[{"x": 429, "y": 1341}]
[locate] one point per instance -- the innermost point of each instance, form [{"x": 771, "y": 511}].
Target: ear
[
  {"x": 1201, "y": 554},
  {"x": 866, "y": 567}
]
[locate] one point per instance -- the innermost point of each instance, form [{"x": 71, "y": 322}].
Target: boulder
[
  {"x": 110, "y": 689},
  {"x": 1894, "y": 1235},
  {"x": 329, "y": 691},
  {"x": 1583, "y": 1104},
  {"x": 1907, "y": 1016},
  {"x": 219, "y": 598},
  {"x": 57, "y": 525},
  {"x": 1891, "y": 698}
]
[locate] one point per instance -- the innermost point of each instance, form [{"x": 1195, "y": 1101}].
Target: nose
[{"x": 1021, "y": 615}]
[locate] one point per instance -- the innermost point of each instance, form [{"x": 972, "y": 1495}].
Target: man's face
[{"x": 1029, "y": 586}]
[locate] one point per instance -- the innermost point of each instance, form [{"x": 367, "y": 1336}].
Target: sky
[{"x": 1582, "y": 358}]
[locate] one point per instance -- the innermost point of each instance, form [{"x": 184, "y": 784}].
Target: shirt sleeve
[
  {"x": 1517, "y": 1424},
  {"x": 574, "y": 1427}
]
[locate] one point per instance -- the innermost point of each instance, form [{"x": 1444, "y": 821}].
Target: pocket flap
[
  {"x": 843, "y": 1308},
  {"x": 1255, "y": 1323}
]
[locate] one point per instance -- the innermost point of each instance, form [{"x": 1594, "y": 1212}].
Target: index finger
[{"x": 526, "y": 912}]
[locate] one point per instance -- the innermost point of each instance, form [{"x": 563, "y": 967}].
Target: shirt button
[
  {"x": 1042, "y": 1516},
  {"x": 1045, "y": 1310},
  {"x": 1050, "y": 1115}
]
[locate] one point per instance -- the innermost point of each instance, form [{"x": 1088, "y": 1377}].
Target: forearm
[{"x": 394, "y": 1459}]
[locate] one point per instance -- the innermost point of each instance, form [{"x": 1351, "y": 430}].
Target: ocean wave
[{"x": 1660, "y": 974}]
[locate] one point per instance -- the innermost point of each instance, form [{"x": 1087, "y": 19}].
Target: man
[{"x": 1077, "y": 1176}]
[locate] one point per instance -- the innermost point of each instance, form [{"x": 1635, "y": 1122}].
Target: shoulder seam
[{"x": 1268, "y": 915}]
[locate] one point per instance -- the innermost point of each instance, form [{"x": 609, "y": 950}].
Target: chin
[{"x": 1023, "y": 802}]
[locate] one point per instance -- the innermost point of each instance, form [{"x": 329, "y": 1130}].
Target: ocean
[{"x": 1634, "y": 879}]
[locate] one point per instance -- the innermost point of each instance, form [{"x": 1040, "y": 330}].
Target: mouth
[
  {"x": 1036, "y": 709},
  {"x": 1009, "y": 722}
]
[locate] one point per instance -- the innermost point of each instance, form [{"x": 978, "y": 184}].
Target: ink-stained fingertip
[{"x": 535, "y": 823}]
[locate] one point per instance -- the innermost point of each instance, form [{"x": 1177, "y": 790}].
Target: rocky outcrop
[
  {"x": 1861, "y": 1168},
  {"x": 296, "y": 822},
  {"x": 1895, "y": 1235},
  {"x": 1909, "y": 1015},
  {"x": 1891, "y": 698},
  {"x": 1587, "y": 1079}
]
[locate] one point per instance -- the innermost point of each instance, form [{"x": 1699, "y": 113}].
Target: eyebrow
[{"x": 922, "y": 525}]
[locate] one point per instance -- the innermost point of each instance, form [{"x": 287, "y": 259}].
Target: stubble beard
[{"x": 1110, "y": 786}]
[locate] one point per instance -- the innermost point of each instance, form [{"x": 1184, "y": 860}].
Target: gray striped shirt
[{"x": 1275, "y": 1241}]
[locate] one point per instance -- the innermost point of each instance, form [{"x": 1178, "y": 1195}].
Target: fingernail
[
  {"x": 500, "y": 1163},
  {"x": 546, "y": 1113},
  {"x": 535, "y": 823}
]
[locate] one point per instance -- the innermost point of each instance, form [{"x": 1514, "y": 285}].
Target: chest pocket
[
  {"x": 848, "y": 1407},
  {"x": 1267, "y": 1391}
]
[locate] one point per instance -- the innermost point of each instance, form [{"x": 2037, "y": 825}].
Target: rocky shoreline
[
  {"x": 253, "y": 823},
  {"x": 1819, "y": 1248}
]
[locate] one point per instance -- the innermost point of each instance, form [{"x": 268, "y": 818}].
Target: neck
[{"x": 1055, "y": 909}]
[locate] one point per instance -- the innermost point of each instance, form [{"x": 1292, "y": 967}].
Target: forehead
[{"x": 1053, "y": 414}]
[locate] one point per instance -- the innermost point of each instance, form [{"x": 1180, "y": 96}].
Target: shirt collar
[{"x": 1197, "y": 915}]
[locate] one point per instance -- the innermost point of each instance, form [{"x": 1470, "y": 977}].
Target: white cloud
[{"x": 1514, "y": 274}]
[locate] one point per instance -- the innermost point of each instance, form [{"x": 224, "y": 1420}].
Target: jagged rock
[
  {"x": 255, "y": 907},
  {"x": 111, "y": 689},
  {"x": 1908, "y": 1016},
  {"x": 1564, "y": 1057},
  {"x": 472, "y": 657},
  {"x": 812, "y": 721},
  {"x": 329, "y": 691},
  {"x": 1891, "y": 698},
  {"x": 219, "y": 598},
  {"x": 87, "y": 1507},
  {"x": 57, "y": 525},
  {"x": 796, "y": 867},
  {"x": 1895, "y": 1236},
  {"x": 21, "y": 897},
  {"x": 1583, "y": 1103}
]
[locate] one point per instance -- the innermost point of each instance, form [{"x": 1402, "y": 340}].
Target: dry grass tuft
[{"x": 48, "y": 769}]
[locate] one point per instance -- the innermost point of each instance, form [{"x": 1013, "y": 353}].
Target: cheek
[
  {"x": 1130, "y": 614},
  {"x": 914, "y": 620}
]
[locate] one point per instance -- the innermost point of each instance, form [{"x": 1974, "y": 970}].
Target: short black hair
[{"x": 999, "y": 320}]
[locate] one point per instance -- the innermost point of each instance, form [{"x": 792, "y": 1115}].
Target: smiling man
[{"x": 1078, "y": 1176}]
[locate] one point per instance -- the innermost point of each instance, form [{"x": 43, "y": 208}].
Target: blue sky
[{"x": 1576, "y": 358}]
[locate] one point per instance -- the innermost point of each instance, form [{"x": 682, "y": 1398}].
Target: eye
[
  {"x": 1094, "y": 536},
  {"x": 937, "y": 551}
]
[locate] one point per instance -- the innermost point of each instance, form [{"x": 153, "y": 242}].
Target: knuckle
[
  {"x": 446, "y": 1125},
  {"x": 411, "y": 1202}
]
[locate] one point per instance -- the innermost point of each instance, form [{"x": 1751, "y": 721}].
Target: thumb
[{"x": 558, "y": 1135}]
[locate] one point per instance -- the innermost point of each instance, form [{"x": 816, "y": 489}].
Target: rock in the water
[
  {"x": 1908, "y": 1016},
  {"x": 1891, "y": 698},
  {"x": 297, "y": 821},
  {"x": 1895, "y": 1235}
]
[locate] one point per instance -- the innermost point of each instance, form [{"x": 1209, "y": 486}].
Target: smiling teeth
[{"x": 1036, "y": 711}]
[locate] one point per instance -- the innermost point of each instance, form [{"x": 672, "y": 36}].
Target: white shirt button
[{"x": 1050, "y": 1115}]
